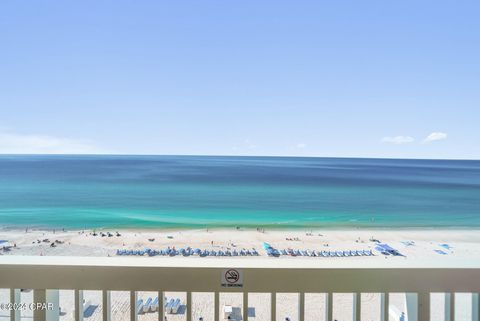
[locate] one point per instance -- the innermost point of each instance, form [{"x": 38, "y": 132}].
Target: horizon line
[{"x": 245, "y": 156}]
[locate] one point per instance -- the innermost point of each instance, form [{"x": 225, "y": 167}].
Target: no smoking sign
[{"x": 232, "y": 278}]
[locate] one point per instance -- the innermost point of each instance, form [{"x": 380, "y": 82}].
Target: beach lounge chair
[
  {"x": 168, "y": 306},
  {"x": 175, "y": 306},
  {"x": 139, "y": 306},
  {"x": 147, "y": 305},
  {"x": 154, "y": 305},
  {"x": 86, "y": 305}
]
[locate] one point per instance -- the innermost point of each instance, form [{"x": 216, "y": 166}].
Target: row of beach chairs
[
  {"x": 313, "y": 253},
  {"x": 151, "y": 305},
  {"x": 188, "y": 252}
]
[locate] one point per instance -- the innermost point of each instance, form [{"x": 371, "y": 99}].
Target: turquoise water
[{"x": 188, "y": 191}]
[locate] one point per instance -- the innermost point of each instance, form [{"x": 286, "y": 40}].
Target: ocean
[{"x": 77, "y": 192}]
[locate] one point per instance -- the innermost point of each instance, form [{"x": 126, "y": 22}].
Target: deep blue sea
[{"x": 191, "y": 192}]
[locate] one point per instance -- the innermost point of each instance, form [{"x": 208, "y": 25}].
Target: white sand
[{"x": 465, "y": 243}]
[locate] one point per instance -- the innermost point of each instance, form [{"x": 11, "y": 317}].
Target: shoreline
[{"x": 12, "y": 228}]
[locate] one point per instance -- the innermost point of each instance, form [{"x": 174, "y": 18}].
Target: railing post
[
  {"x": 475, "y": 307},
  {"x": 188, "y": 303},
  {"x": 245, "y": 306},
  {"x": 133, "y": 306},
  {"x": 384, "y": 306},
  {"x": 15, "y": 297},
  {"x": 46, "y": 313},
  {"x": 273, "y": 307},
  {"x": 107, "y": 306},
  {"x": 357, "y": 306},
  {"x": 423, "y": 306},
  {"x": 39, "y": 296},
  {"x": 329, "y": 306},
  {"x": 161, "y": 306},
  {"x": 301, "y": 306},
  {"x": 217, "y": 306},
  {"x": 78, "y": 305}
]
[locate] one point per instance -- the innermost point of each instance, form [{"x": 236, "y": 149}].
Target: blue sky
[{"x": 295, "y": 78}]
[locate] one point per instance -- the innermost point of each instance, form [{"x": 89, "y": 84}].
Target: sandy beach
[{"x": 412, "y": 244}]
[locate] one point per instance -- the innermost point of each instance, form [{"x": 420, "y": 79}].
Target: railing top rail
[{"x": 255, "y": 263}]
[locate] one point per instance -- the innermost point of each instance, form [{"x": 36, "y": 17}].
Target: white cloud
[
  {"x": 398, "y": 140},
  {"x": 435, "y": 136},
  {"x": 301, "y": 145},
  {"x": 12, "y": 143}
]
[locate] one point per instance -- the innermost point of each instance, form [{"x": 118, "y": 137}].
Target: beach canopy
[
  {"x": 266, "y": 246},
  {"x": 387, "y": 248}
]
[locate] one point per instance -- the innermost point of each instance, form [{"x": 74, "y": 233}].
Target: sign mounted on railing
[{"x": 232, "y": 278}]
